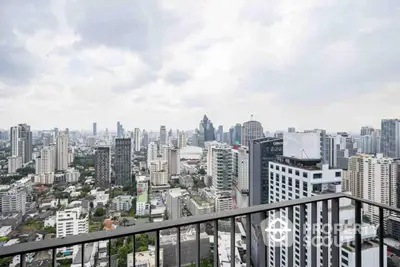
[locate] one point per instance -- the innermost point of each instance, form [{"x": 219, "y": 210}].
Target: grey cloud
[
  {"x": 177, "y": 77},
  {"x": 136, "y": 83},
  {"x": 17, "y": 65},
  {"x": 312, "y": 76},
  {"x": 140, "y": 26}
]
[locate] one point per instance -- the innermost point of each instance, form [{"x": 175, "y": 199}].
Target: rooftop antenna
[{"x": 252, "y": 116}]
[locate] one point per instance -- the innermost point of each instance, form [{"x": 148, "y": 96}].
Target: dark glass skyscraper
[
  {"x": 206, "y": 131},
  {"x": 122, "y": 165},
  {"x": 102, "y": 167},
  {"x": 261, "y": 152}
]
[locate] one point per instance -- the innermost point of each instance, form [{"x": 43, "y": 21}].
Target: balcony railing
[{"x": 332, "y": 208}]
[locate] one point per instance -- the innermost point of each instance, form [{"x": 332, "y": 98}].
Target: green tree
[
  {"x": 50, "y": 230},
  {"x": 25, "y": 171},
  {"x": 86, "y": 188},
  {"x": 99, "y": 212},
  {"x": 202, "y": 171},
  {"x": 390, "y": 262},
  {"x": 122, "y": 254},
  {"x": 5, "y": 262}
]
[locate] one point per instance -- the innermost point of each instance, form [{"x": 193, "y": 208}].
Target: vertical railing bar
[
  {"x": 290, "y": 248},
  {"x": 248, "y": 240},
  {"x": 134, "y": 250},
  {"x": 324, "y": 233},
  {"x": 233, "y": 246},
  {"x": 277, "y": 255},
  {"x": 83, "y": 255},
  {"x": 54, "y": 257},
  {"x": 178, "y": 247},
  {"x": 263, "y": 257},
  {"x": 382, "y": 253},
  {"x": 216, "y": 260},
  {"x": 335, "y": 247},
  {"x": 109, "y": 252},
  {"x": 158, "y": 248},
  {"x": 198, "y": 245},
  {"x": 358, "y": 233},
  {"x": 22, "y": 260},
  {"x": 314, "y": 234},
  {"x": 302, "y": 233}
]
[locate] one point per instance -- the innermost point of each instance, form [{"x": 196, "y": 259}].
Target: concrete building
[
  {"x": 142, "y": 196},
  {"x": 251, "y": 130},
  {"x": 182, "y": 139},
  {"x": 14, "y": 163},
  {"x": 371, "y": 143},
  {"x": 72, "y": 175},
  {"x": 144, "y": 259},
  {"x": 62, "y": 152},
  {"x": 390, "y": 138},
  {"x": 291, "y": 130},
  {"x": 174, "y": 205},
  {"x": 163, "y": 136},
  {"x": 188, "y": 248},
  {"x": 94, "y": 129},
  {"x": 151, "y": 153},
  {"x": 13, "y": 200},
  {"x": 223, "y": 201},
  {"x": 21, "y": 142},
  {"x": 137, "y": 139},
  {"x": 44, "y": 178},
  {"x": 198, "y": 205},
  {"x": 123, "y": 157},
  {"x": 373, "y": 178},
  {"x": 174, "y": 161},
  {"x": 292, "y": 178},
  {"x": 222, "y": 168},
  {"x": 71, "y": 221},
  {"x": 122, "y": 203},
  {"x": 366, "y": 130},
  {"x": 103, "y": 167},
  {"x": 46, "y": 162},
  {"x": 159, "y": 172}
]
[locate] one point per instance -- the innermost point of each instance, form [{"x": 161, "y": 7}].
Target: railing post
[
  {"x": 22, "y": 259},
  {"x": 248, "y": 240},
  {"x": 178, "y": 246},
  {"x": 198, "y": 245},
  {"x": 325, "y": 251},
  {"x": 83, "y": 255},
  {"x": 54, "y": 257},
  {"x": 233, "y": 245},
  {"x": 314, "y": 235},
  {"x": 302, "y": 234},
  {"x": 335, "y": 247},
  {"x": 109, "y": 252},
  {"x": 358, "y": 223},
  {"x": 382, "y": 253},
  {"x": 289, "y": 249},
  {"x": 134, "y": 250},
  {"x": 216, "y": 260},
  {"x": 158, "y": 248}
]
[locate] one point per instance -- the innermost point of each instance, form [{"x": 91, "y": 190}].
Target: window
[
  {"x": 290, "y": 181},
  {"x": 290, "y": 171},
  {"x": 297, "y": 173},
  {"x": 283, "y": 169},
  {"x": 317, "y": 175},
  {"x": 277, "y": 167},
  {"x": 338, "y": 174},
  {"x": 305, "y": 175},
  {"x": 297, "y": 184}
]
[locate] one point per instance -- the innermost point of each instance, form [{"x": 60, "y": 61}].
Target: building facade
[
  {"x": 103, "y": 167},
  {"x": 62, "y": 152},
  {"x": 123, "y": 165},
  {"x": 390, "y": 138}
]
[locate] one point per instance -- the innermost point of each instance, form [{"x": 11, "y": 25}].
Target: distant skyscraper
[
  {"x": 94, "y": 128},
  {"x": 251, "y": 130},
  {"x": 220, "y": 133},
  {"x": 366, "y": 130},
  {"x": 103, "y": 167},
  {"x": 291, "y": 130},
  {"x": 182, "y": 140},
  {"x": 237, "y": 134},
  {"x": 174, "y": 161},
  {"x": 62, "y": 151},
  {"x": 151, "y": 153},
  {"x": 21, "y": 142},
  {"x": 222, "y": 167},
  {"x": 206, "y": 131},
  {"x": 55, "y": 132},
  {"x": 390, "y": 138},
  {"x": 137, "y": 139},
  {"x": 163, "y": 136},
  {"x": 195, "y": 140},
  {"x": 120, "y": 130},
  {"x": 123, "y": 167},
  {"x": 145, "y": 139}
]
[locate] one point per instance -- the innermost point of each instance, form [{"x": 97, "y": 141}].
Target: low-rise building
[
  {"x": 122, "y": 203},
  {"x": 199, "y": 205},
  {"x": 144, "y": 259},
  {"x": 186, "y": 181}
]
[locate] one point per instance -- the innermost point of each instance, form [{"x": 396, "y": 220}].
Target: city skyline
[{"x": 288, "y": 64}]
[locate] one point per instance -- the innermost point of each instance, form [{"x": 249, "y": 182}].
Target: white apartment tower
[
  {"x": 46, "y": 162},
  {"x": 243, "y": 169},
  {"x": 71, "y": 222},
  {"x": 292, "y": 178},
  {"x": 174, "y": 161},
  {"x": 137, "y": 140},
  {"x": 151, "y": 153},
  {"x": 14, "y": 163},
  {"x": 62, "y": 151},
  {"x": 182, "y": 140},
  {"x": 373, "y": 178},
  {"x": 222, "y": 168},
  {"x": 159, "y": 172}
]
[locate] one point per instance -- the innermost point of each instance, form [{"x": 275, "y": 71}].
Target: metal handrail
[{"x": 49, "y": 244}]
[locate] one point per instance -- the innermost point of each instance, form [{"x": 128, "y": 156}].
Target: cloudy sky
[{"x": 330, "y": 64}]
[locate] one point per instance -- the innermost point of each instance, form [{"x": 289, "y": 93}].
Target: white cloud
[{"x": 307, "y": 64}]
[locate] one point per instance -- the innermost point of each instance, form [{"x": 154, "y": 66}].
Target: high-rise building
[
  {"x": 373, "y": 178},
  {"x": 123, "y": 166},
  {"x": 291, "y": 130},
  {"x": 69, "y": 222},
  {"x": 120, "y": 130},
  {"x": 206, "y": 131},
  {"x": 103, "y": 167},
  {"x": 366, "y": 130},
  {"x": 56, "y": 132},
  {"x": 14, "y": 163},
  {"x": 291, "y": 178},
  {"x": 251, "y": 130},
  {"x": 151, "y": 153},
  {"x": 137, "y": 140},
  {"x": 174, "y": 161},
  {"x": 182, "y": 140},
  {"x": 261, "y": 152},
  {"x": 62, "y": 151},
  {"x": 390, "y": 138},
  {"x": 222, "y": 168},
  {"x": 46, "y": 163},
  {"x": 159, "y": 172},
  {"x": 145, "y": 139},
  {"x": 21, "y": 142},
  {"x": 94, "y": 128},
  {"x": 220, "y": 133},
  {"x": 163, "y": 136},
  {"x": 237, "y": 135},
  {"x": 195, "y": 139},
  {"x": 371, "y": 143}
]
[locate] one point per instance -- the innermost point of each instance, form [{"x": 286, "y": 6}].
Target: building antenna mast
[{"x": 252, "y": 116}]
